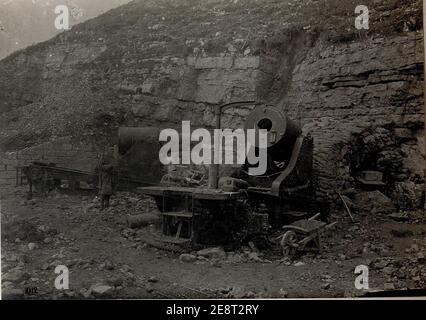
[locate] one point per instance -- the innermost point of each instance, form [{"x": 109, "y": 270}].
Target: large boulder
[
  {"x": 101, "y": 291},
  {"x": 212, "y": 253},
  {"x": 189, "y": 258},
  {"x": 15, "y": 276}
]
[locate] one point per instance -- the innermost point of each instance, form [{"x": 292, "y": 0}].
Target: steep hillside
[
  {"x": 161, "y": 62},
  {"x": 89, "y": 67}
]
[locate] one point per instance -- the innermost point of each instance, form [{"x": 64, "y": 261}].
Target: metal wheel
[{"x": 289, "y": 243}]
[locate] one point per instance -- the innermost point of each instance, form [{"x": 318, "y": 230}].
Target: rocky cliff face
[
  {"x": 158, "y": 63},
  {"x": 339, "y": 91}
]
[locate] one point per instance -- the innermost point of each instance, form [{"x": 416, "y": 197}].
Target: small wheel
[{"x": 289, "y": 243}]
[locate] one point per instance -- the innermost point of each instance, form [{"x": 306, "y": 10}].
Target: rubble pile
[
  {"x": 403, "y": 272},
  {"x": 72, "y": 230},
  {"x": 25, "y": 239},
  {"x": 217, "y": 256},
  {"x": 185, "y": 176},
  {"x": 123, "y": 202}
]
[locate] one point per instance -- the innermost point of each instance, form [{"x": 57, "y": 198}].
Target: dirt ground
[{"x": 106, "y": 259}]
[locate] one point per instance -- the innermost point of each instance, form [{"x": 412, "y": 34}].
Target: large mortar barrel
[
  {"x": 139, "y": 149},
  {"x": 282, "y": 131},
  {"x": 129, "y": 136}
]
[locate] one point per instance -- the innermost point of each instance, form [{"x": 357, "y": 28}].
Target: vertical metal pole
[{"x": 214, "y": 168}]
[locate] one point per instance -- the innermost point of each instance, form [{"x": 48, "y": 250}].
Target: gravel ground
[{"x": 106, "y": 259}]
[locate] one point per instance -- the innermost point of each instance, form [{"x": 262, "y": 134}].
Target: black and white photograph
[{"x": 218, "y": 150}]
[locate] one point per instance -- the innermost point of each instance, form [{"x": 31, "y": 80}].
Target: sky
[{"x": 26, "y": 22}]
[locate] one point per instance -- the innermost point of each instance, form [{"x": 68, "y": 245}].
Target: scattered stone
[
  {"x": 286, "y": 261},
  {"x": 189, "y": 258},
  {"x": 149, "y": 289},
  {"x": 249, "y": 295},
  {"x": 400, "y": 216},
  {"x": 234, "y": 258},
  {"x": 15, "y": 276},
  {"x": 107, "y": 265},
  {"x": 414, "y": 248},
  {"x": 116, "y": 281},
  {"x": 235, "y": 292},
  {"x": 299, "y": 264},
  {"x": 389, "y": 286},
  {"x": 283, "y": 294},
  {"x": 32, "y": 246},
  {"x": 225, "y": 290},
  {"x": 153, "y": 279},
  {"x": 231, "y": 48},
  {"x": 373, "y": 202},
  {"x": 212, "y": 253},
  {"x": 86, "y": 293},
  {"x": 388, "y": 270},
  {"x": 326, "y": 286},
  {"x": 12, "y": 258},
  {"x": 7, "y": 284},
  {"x": 101, "y": 290},
  {"x": 201, "y": 260},
  {"x": 254, "y": 256},
  {"x": 45, "y": 266},
  {"x": 126, "y": 268},
  {"x": 70, "y": 294}
]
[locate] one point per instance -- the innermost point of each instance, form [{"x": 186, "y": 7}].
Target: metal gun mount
[
  {"x": 289, "y": 153},
  {"x": 244, "y": 205}
]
